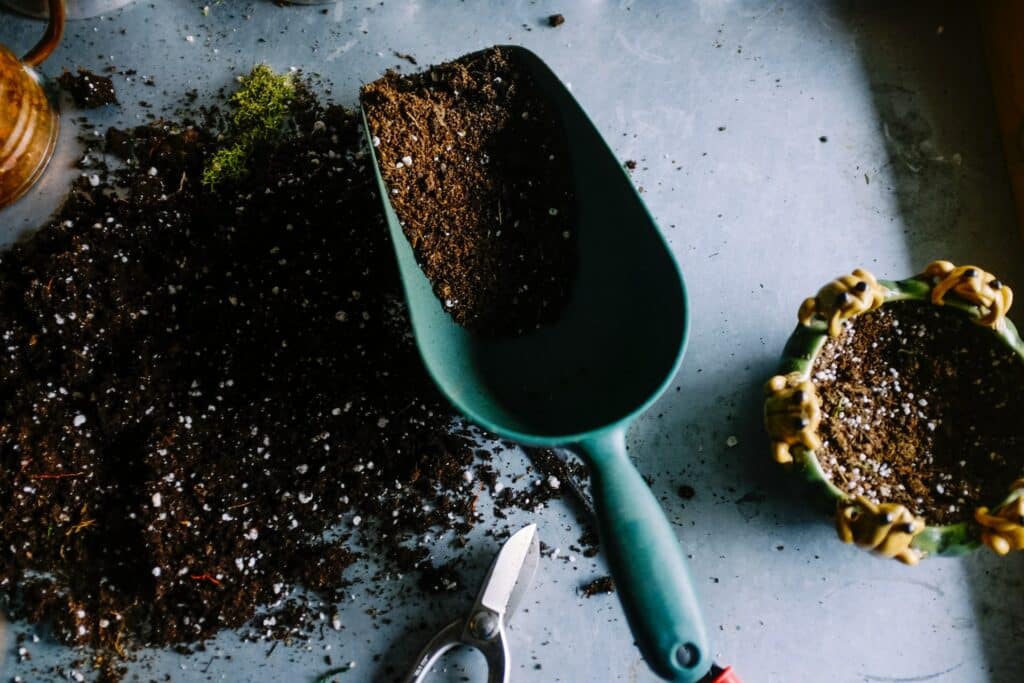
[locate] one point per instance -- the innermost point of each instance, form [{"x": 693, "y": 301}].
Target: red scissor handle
[{"x": 726, "y": 675}]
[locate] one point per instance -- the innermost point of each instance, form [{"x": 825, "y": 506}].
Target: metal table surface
[{"x": 779, "y": 144}]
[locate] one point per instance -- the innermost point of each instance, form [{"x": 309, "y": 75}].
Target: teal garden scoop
[{"x": 579, "y": 382}]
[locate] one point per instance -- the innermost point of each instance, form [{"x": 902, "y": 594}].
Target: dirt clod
[
  {"x": 88, "y": 90},
  {"x": 600, "y": 585}
]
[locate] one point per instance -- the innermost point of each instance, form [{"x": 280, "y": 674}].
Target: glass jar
[
  {"x": 28, "y": 122},
  {"x": 76, "y": 9}
]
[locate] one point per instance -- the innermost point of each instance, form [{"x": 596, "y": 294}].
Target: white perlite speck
[
  {"x": 79, "y": 420},
  {"x": 731, "y": 441},
  {"x": 157, "y": 500},
  {"x": 156, "y": 572}
]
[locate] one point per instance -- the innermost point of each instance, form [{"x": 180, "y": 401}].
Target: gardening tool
[
  {"x": 483, "y": 628},
  {"x": 580, "y": 381},
  {"x": 28, "y": 123}
]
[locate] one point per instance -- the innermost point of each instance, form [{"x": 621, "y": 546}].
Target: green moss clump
[
  {"x": 261, "y": 108},
  {"x": 228, "y": 164}
]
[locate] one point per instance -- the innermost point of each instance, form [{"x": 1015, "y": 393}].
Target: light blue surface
[{"x": 759, "y": 214}]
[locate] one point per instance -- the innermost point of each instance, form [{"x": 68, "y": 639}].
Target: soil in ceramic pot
[
  {"x": 921, "y": 407},
  {"x": 477, "y": 166},
  {"x": 196, "y": 387}
]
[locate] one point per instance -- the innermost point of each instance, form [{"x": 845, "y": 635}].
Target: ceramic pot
[{"x": 792, "y": 412}]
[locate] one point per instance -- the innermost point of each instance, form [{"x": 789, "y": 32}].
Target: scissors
[{"x": 483, "y": 628}]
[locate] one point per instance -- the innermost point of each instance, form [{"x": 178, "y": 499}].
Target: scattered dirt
[
  {"x": 406, "y": 56},
  {"x": 211, "y": 400},
  {"x": 556, "y": 20},
  {"x": 921, "y": 407},
  {"x": 477, "y": 167},
  {"x": 88, "y": 90},
  {"x": 630, "y": 164},
  {"x": 598, "y": 586}
]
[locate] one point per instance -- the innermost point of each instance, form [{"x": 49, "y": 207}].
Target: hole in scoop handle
[
  {"x": 647, "y": 563},
  {"x": 54, "y": 30}
]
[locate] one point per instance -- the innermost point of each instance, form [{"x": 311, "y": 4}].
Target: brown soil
[
  {"x": 921, "y": 407},
  {"x": 556, "y": 20},
  {"x": 602, "y": 585},
  {"x": 196, "y": 387},
  {"x": 88, "y": 89},
  {"x": 477, "y": 167}
]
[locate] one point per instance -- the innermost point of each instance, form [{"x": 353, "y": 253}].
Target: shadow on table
[{"x": 925, "y": 65}]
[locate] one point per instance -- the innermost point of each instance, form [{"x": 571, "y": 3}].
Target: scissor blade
[
  {"x": 512, "y": 572},
  {"x": 526, "y": 574}
]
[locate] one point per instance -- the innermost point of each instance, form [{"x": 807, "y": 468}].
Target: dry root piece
[
  {"x": 792, "y": 414},
  {"x": 973, "y": 285},
  {"x": 842, "y": 299},
  {"x": 886, "y": 528}
]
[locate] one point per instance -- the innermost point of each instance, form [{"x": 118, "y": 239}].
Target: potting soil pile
[
  {"x": 198, "y": 385},
  {"x": 478, "y": 170}
]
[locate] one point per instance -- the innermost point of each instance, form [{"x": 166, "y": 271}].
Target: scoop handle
[{"x": 647, "y": 563}]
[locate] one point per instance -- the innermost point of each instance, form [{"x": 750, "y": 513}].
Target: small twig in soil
[
  {"x": 81, "y": 526},
  {"x": 326, "y": 676},
  {"x": 205, "y": 577},
  {"x": 56, "y": 476},
  {"x": 838, "y": 408}
]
